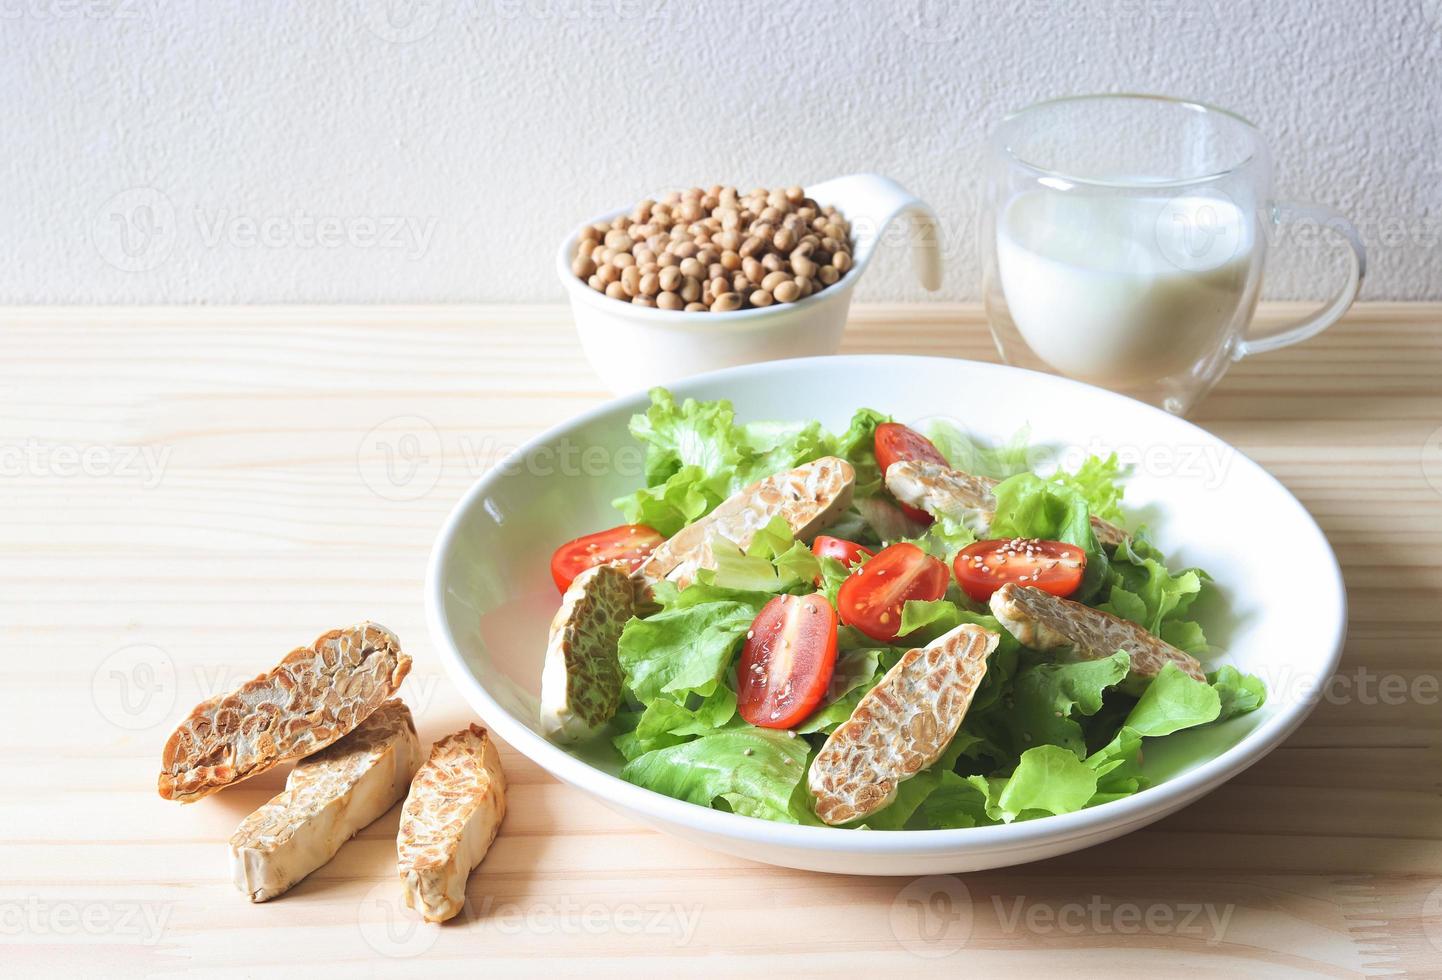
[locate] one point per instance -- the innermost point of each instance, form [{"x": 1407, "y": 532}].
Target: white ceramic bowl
[
  {"x": 634, "y": 347},
  {"x": 489, "y": 594}
]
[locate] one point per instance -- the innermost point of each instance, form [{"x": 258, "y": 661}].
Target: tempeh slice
[
  {"x": 809, "y": 498},
  {"x": 581, "y": 682},
  {"x": 309, "y": 700},
  {"x": 329, "y": 797},
  {"x": 1045, "y": 622},
  {"x": 940, "y": 490},
  {"x": 901, "y": 726},
  {"x": 450, "y": 817}
]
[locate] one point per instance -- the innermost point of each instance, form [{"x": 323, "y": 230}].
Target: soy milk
[{"x": 1124, "y": 289}]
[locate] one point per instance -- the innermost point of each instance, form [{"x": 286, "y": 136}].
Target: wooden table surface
[{"x": 189, "y": 493}]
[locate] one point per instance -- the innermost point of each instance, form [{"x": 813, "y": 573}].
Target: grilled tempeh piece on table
[
  {"x": 309, "y": 700},
  {"x": 329, "y": 797},
  {"x": 450, "y": 817}
]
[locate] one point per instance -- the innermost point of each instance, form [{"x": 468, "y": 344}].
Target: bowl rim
[
  {"x": 1150, "y": 804},
  {"x": 755, "y": 317}
]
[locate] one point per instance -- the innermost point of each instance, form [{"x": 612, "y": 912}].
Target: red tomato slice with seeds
[
  {"x": 629, "y": 543},
  {"x": 896, "y": 442},
  {"x": 846, "y": 552},
  {"x": 1052, "y": 566},
  {"x": 873, "y": 597},
  {"x": 787, "y": 662}
]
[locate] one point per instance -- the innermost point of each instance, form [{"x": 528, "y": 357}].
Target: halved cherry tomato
[
  {"x": 846, "y": 552},
  {"x": 894, "y": 443},
  {"x": 630, "y": 543},
  {"x": 787, "y": 662},
  {"x": 1051, "y": 566},
  {"x": 873, "y": 597}
]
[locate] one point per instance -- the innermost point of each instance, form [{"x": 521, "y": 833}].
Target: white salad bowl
[
  {"x": 489, "y": 594},
  {"x": 634, "y": 347}
]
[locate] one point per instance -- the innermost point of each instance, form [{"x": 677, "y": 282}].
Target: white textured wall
[{"x": 425, "y": 150}]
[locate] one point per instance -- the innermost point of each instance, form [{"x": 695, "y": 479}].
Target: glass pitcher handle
[{"x": 1308, "y": 327}]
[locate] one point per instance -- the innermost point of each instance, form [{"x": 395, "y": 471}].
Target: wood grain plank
[{"x": 252, "y": 511}]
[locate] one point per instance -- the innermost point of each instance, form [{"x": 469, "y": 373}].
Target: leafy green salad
[{"x": 1044, "y": 734}]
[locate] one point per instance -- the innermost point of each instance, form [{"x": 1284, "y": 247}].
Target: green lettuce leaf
[
  {"x": 1046, "y": 705},
  {"x": 754, "y": 770},
  {"x": 1150, "y": 594},
  {"x": 1099, "y": 482},
  {"x": 971, "y": 455},
  {"x": 956, "y": 802},
  {"x": 685, "y": 496},
  {"x": 1029, "y": 507},
  {"x": 1237, "y": 693},
  {"x": 1048, "y": 780},
  {"x": 691, "y": 433},
  {"x": 630, "y": 743},
  {"x": 697, "y": 456},
  {"x": 1172, "y": 702},
  {"x": 665, "y": 717},
  {"x": 944, "y": 538},
  {"x": 857, "y": 445},
  {"x": 922, "y": 622},
  {"x": 683, "y": 650}
]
